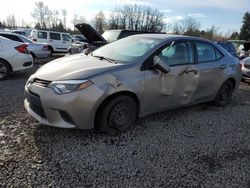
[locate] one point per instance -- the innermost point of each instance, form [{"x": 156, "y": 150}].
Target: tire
[
  {"x": 33, "y": 56},
  {"x": 4, "y": 69},
  {"x": 117, "y": 115},
  {"x": 224, "y": 95},
  {"x": 51, "y": 51}
]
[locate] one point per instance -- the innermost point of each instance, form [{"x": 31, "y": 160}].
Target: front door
[
  {"x": 176, "y": 88},
  {"x": 66, "y": 41}
]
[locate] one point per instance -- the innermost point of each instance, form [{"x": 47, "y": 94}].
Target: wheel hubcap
[{"x": 120, "y": 115}]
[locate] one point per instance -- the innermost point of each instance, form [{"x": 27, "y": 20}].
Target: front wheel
[
  {"x": 117, "y": 115},
  {"x": 224, "y": 95}
]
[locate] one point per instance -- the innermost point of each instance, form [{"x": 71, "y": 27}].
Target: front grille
[
  {"x": 43, "y": 83},
  {"x": 35, "y": 103},
  {"x": 247, "y": 66}
]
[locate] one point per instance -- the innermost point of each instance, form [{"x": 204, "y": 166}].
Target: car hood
[
  {"x": 74, "y": 67},
  {"x": 90, "y": 34}
]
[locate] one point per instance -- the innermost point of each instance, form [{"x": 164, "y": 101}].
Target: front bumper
[
  {"x": 74, "y": 110},
  {"x": 42, "y": 54}
]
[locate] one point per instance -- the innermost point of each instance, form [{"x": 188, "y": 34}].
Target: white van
[{"x": 56, "y": 41}]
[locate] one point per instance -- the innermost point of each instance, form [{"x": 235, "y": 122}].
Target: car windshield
[{"x": 127, "y": 50}]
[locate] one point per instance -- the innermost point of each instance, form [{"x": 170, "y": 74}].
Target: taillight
[
  {"x": 22, "y": 49},
  {"x": 45, "y": 48},
  {"x": 35, "y": 40}
]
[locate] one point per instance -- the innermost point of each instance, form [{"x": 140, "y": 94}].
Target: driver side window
[{"x": 178, "y": 54}]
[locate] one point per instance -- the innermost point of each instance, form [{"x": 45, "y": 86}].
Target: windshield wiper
[{"x": 105, "y": 58}]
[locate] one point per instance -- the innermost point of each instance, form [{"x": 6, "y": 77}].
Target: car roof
[{"x": 169, "y": 37}]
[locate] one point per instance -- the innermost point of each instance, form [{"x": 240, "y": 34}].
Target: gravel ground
[{"x": 199, "y": 146}]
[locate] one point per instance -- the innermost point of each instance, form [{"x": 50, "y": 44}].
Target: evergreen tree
[{"x": 245, "y": 28}]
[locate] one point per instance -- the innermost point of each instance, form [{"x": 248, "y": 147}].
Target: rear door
[
  {"x": 176, "y": 88},
  {"x": 211, "y": 66},
  {"x": 40, "y": 36}
]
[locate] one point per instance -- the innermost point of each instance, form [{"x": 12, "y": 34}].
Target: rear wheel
[
  {"x": 117, "y": 115},
  {"x": 224, "y": 95},
  {"x": 4, "y": 69}
]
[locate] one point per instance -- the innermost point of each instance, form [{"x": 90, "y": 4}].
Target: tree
[
  {"x": 42, "y": 14},
  {"x": 76, "y": 20},
  {"x": 136, "y": 17},
  {"x": 99, "y": 22},
  {"x": 234, "y": 36},
  {"x": 11, "y": 21},
  {"x": 245, "y": 28},
  {"x": 64, "y": 14},
  {"x": 189, "y": 26}
]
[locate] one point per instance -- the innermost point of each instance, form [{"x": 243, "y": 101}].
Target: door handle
[
  {"x": 192, "y": 71},
  {"x": 63, "y": 42},
  {"x": 223, "y": 66},
  {"x": 51, "y": 40}
]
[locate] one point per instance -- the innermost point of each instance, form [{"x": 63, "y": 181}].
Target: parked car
[
  {"x": 22, "y": 31},
  {"x": 113, "y": 35},
  {"x": 19, "y": 32},
  {"x": 95, "y": 39},
  {"x": 245, "y": 68},
  {"x": 56, "y": 41},
  {"x": 130, "y": 78},
  {"x": 37, "y": 50},
  {"x": 237, "y": 43},
  {"x": 79, "y": 38},
  {"x": 228, "y": 46},
  {"x": 244, "y": 50},
  {"x": 14, "y": 56}
]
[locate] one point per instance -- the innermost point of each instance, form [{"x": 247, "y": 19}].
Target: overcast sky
[{"x": 224, "y": 14}]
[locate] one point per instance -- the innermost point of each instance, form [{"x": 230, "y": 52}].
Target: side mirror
[{"x": 160, "y": 65}]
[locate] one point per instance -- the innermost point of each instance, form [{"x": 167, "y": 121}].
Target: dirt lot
[{"x": 199, "y": 146}]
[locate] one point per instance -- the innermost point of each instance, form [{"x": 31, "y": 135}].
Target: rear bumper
[
  {"x": 41, "y": 55},
  {"x": 21, "y": 62}
]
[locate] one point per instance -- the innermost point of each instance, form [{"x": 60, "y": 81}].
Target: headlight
[{"x": 63, "y": 87}]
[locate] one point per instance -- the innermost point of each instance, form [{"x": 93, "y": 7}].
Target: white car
[
  {"x": 14, "y": 56},
  {"x": 56, "y": 41},
  {"x": 37, "y": 50}
]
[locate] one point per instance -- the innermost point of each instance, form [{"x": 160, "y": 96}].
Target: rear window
[
  {"x": 42, "y": 35},
  {"x": 231, "y": 47},
  {"x": 55, "y": 36},
  {"x": 11, "y": 37},
  {"x": 207, "y": 52}
]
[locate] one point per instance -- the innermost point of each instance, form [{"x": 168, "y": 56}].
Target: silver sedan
[
  {"x": 131, "y": 78},
  {"x": 37, "y": 50},
  {"x": 245, "y": 67}
]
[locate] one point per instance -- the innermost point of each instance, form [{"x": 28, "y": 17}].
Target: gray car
[
  {"x": 245, "y": 68},
  {"x": 131, "y": 78},
  {"x": 37, "y": 50}
]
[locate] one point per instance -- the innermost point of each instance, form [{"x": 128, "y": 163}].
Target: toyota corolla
[{"x": 131, "y": 78}]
